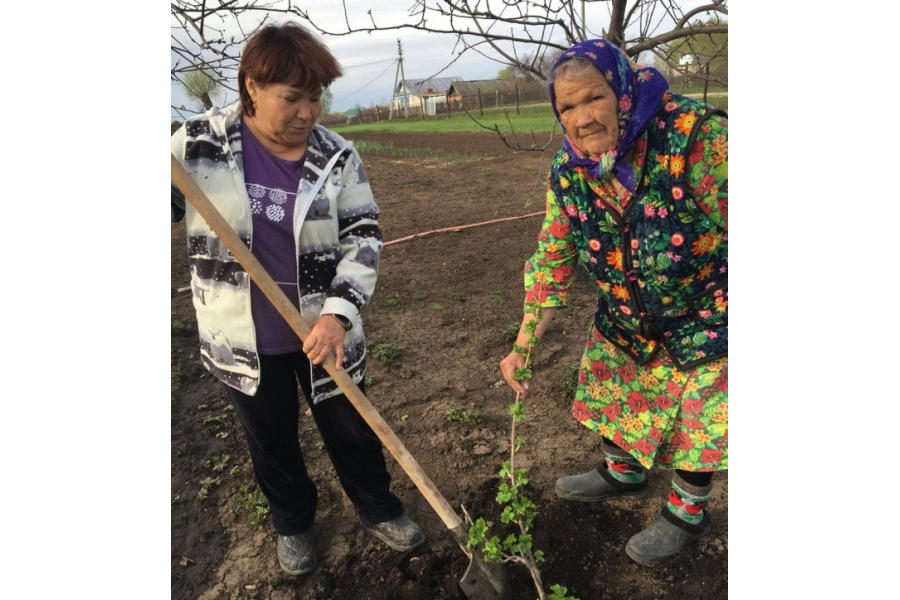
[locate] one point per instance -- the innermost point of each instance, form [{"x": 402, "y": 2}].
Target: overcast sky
[
  {"x": 370, "y": 64},
  {"x": 369, "y": 61}
]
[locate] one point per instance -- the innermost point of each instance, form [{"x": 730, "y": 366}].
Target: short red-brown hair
[{"x": 286, "y": 54}]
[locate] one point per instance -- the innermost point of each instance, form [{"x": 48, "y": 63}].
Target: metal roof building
[{"x": 419, "y": 95}]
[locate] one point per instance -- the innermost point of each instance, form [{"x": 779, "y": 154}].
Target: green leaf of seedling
[
  {"x": 521, "y": 477},
  {"x": 510, "y": 545},
  {"x": 477, "y": 532},
  {"x": 528, "y": 519},
  {"x": 560, "y": 592},
  {"x": 493, "y": 552},
  {"x": 518, "y": 508},
  {"x": 522, "y": 374},
  {"x": 517, "y": 411},
  {"x": 504, "y": 494}
]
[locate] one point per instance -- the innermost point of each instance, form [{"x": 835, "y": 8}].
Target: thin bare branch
[
  {"x": 535, "y": 147},
  {"x": 670, "y": 36},
  {"x": 526, "y": 35}
]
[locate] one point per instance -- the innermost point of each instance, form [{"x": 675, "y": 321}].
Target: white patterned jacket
[{"x": 338, "y": 246}]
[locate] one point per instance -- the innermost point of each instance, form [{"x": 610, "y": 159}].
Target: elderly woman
[
  {"x": 638, "y": 193},
  {"x": 298, "y": 195}
]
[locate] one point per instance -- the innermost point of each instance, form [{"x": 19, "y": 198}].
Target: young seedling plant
[{"x": 518, "y": 511}]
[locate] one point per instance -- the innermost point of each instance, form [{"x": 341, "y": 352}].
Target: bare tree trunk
[{"x": 616, "y": 31}]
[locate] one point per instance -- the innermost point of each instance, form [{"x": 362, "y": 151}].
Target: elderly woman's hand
[
  {"x": 508, "y": 368},
  {"x": 514, "y": 360},
  {"x": 326, "y": 335}
]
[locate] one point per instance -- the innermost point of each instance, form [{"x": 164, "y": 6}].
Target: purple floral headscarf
[{"x": 639, "y": 90}]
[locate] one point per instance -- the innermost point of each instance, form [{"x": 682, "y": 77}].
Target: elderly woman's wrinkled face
[
  {"x": 285, "y": 114},
  {"x": 588, "y": 109}
]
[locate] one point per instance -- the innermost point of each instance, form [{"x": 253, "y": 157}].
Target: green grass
[
  {"x": 570, "y": 378},
  {"x": 537, "y": 118},
  {"x": 463, "y": 415},
  {"x": 534, "y": 119},
  {"x": 217, "y": 463},
  {"x": 720, "y": 102},
  {"x": 386, "y": 353},
  {"x": 206, "y": 485},
  {"x": 389, "y": 149},
  {"x": 216, "y": 420},
  {"x": 511, "y": 331},
  {"x": 696, "y": 91},
  {"x": 182, "y": 325},
  {"x": 254, "y": 504},
  {"x": 697, "y": 88}
]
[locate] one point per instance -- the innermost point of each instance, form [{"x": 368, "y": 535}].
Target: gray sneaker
[
  {"x": 663, "y": 540},
  {"x": 297, "y": 553},
  {"x": 596, "y": 485},
  {"x": 401, "y": 534}
]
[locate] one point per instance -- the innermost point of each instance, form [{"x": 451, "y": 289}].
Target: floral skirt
[{"x": 659, "y": 414}]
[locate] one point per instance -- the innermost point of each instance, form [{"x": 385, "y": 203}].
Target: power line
[
  {"x": 373, "y": 81},
  {"x": 370, "y": 63}
]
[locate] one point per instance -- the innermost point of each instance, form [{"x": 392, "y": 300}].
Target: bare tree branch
[
  {"x": 521, "y": 34},
  {"x": 534, "y": 147},
  {"x": 671, "y": 36}
]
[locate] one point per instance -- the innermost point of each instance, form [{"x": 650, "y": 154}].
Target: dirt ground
[{"x": 446, "y": 301}]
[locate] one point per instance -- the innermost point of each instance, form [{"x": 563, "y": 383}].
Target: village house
[
  {"x": 412, "y": 96},
  {"x": 493, "y": 92}
]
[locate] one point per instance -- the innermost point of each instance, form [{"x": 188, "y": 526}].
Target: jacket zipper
[{"x": 304, "y": 209}]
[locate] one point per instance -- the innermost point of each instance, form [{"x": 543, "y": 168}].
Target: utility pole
[{"x": 399, "y": 78}]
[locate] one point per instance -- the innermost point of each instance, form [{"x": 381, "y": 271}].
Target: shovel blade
[{"x": 483, "y": 581}]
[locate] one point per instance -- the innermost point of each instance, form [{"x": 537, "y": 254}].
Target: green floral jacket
[{"x": 659, "y": 256}]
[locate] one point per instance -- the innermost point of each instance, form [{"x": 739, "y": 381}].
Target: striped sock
[
  {"x": 622, "y": 466},
  {"x": 688, "y": 502}
]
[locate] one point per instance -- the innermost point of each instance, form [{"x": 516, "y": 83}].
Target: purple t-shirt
[{"x": 272, "y": 184}]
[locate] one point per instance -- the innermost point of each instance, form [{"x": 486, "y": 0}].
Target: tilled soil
[{"x": 448, "y": 302}]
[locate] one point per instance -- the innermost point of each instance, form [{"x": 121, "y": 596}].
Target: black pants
[{"x": 270, "y": 422}]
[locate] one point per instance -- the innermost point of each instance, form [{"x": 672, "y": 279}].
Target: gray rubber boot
[
  {"x": 596, "y": 485},
  {"x": 662, "y": 541},
  {"x": 401, "y": 534},
  {"x": 297, "y": 554},
  {"x": 668, "y": 535}
]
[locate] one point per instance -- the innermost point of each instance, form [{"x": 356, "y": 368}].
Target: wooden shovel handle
[{"x": 291, "y": 314}]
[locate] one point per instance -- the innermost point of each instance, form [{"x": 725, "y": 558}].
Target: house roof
[
  {"x": 435, "y": 85},
  {"x": 486, "y": 86}
]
